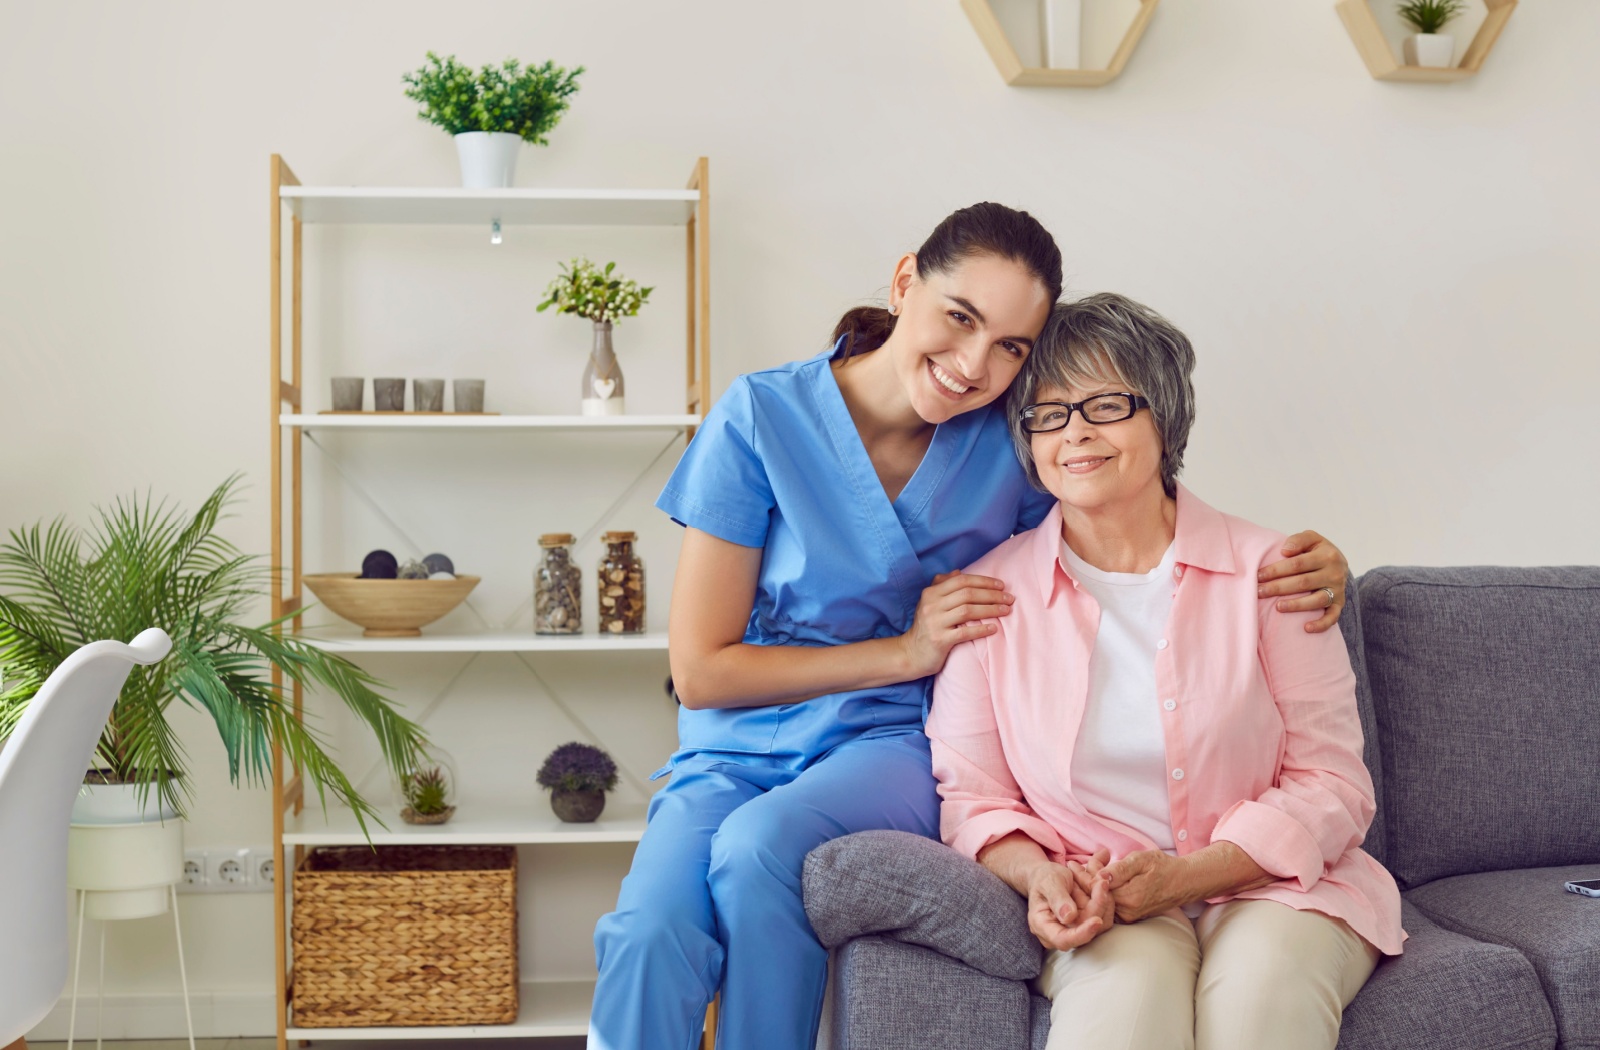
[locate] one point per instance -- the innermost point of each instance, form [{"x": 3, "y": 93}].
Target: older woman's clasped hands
[{"x": 1164, "y": 760}]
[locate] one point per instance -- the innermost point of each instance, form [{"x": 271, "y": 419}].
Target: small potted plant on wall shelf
[
  {"x": 427, "y": 789},
  {"x": 1429, "y": 47},
  {"x": 604, "y": 297},
  {"x": 492, "y": 111},
  {"x": 578, "y": 777}
]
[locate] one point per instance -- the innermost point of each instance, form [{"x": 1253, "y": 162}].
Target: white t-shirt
[{"x": 1119, "y": 769}]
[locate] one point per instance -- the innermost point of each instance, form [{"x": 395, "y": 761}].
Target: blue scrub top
[{"x": 778, "y": 464}]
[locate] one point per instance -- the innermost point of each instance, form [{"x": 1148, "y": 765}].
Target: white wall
[{"x": 1390, "y": 287}]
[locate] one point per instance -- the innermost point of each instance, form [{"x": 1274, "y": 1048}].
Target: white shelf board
[
  {"x": 489, "y": 822},
  {"x": 512, "y": 207},
  {"x": 350, "y": 640},
  {"x": 383, "y": 421},
  {"x": 548, "y": 1008}
]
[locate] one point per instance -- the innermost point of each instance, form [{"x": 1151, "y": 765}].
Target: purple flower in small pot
[{"x": 578, "y": 777}]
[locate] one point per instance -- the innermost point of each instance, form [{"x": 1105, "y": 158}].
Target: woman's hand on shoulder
[
  {"x": 1310, "y": 564},
  {"x": 950, "y": 612},
  {"x": 1061, "y": 913}
]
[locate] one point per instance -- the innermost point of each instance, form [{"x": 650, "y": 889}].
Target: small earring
[{"x": 893, "y": 309}]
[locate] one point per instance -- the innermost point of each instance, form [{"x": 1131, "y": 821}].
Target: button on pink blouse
[{"x": 1263, "y": 742}]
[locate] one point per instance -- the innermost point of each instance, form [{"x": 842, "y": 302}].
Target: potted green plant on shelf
[
  {"x": 578, "y": 777},
  {"x": 426, "y": 791},
  {"x": 491, "y": 111},
  {"x": 144, "y": 565},
  {"x": 1428, "y": 46},
  {"x": 604, "y": 297}
]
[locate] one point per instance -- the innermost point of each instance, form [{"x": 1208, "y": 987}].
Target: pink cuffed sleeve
[
  {"x": 1323, "y": 801},
  {"x": 981, "y": 800}
]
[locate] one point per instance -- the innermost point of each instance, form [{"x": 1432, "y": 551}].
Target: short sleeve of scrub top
[
  {"x": 720, "y": 485},
  {"x": 779, "y": 465}
]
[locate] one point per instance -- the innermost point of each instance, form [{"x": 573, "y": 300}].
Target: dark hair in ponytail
[{"x": 982, "y": 229}]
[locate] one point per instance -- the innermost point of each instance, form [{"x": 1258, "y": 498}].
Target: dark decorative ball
[
  {"x": 439, "y": 563},
  {"x": 379, "y": 565}
]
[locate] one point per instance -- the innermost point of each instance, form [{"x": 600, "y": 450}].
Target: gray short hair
[{"x": 1109, "y": 337}]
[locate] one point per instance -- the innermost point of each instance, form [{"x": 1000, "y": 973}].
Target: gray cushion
[
  {"x": 1038, "y": 1022},
  {"x": 1350, "y": 625},
  {"x": 1484, "y": 682},
  {"x": 889, "y": 995},
  {"x": 1528, "y": 910},
  {"x": 1448, "y": 992},
  {"x": 921, "y": 892}
]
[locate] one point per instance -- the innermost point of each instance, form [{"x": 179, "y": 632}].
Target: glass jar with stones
[
  {"x": 557, "y": 587},
  {"x": 621, "y": 586}
]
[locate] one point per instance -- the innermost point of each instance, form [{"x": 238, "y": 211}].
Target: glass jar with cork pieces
[
  {"x": 557, "y": 587},
  {"x": 621, "y": 586}
]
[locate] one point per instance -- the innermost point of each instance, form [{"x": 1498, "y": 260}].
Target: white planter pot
[
  {"x": 119, "y": 804},
  {"x": 488, "y": 159},
  {"x": 126, "y": 868},
  {"x": 1434, "y": 50}
]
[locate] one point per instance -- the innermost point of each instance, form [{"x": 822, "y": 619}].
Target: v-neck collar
[
  {"x": 924, "y": 481},
  {"x": 888, "y": 520}
]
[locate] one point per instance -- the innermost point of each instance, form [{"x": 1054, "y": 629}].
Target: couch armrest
[
  {"x": 889, "y": 995},
  {"x": 919, "y": 891}
]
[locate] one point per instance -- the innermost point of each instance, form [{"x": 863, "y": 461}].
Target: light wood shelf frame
[
  {"x": 292, "y": 204},
  {"x": 1016, "y": 74},
  {"x": 1373, "y": 46}
]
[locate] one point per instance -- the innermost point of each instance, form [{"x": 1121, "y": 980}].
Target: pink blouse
[{"x": 1263, "y": 742}]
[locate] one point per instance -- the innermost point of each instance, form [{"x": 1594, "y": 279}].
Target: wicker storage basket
[{"x": 405, "y": 935}]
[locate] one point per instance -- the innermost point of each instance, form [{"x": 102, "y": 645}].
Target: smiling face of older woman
[
  {"x": 1102, "y": 408},
  {"x": 1103, "y": 455}
]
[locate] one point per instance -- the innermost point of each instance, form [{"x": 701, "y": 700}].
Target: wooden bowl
[{"x": 389, "y": 608}]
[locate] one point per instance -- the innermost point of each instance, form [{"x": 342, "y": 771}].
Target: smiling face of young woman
[
  {"x": 963, "y": 333},
  {"x": 1094, "y": 466}
]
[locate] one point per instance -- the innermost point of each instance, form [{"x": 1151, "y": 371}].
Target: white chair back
[{"x": 41, "y": 772}]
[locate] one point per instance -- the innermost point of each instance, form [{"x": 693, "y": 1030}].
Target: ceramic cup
[
  {"x": 389, "y": 395},
  {"x": 427, "y": 395},
  {"x": 349, "y": 393},
  {"x": 468, "y": 395}
]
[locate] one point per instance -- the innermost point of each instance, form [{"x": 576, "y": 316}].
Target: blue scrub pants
[{"x": 713, "y": 898}]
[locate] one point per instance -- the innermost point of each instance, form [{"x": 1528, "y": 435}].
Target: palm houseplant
[
  {"x": 603, "y": 297},
  {"x": 143, "y": 564},
  {"x": 1427, "y": 46},
  {"x": 491, "y": 111}
]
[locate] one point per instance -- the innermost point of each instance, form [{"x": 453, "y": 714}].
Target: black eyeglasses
[{"x": 1102, "y": 408}]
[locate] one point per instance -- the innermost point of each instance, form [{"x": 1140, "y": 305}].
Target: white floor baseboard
[{"x": 217, "y": 1015}]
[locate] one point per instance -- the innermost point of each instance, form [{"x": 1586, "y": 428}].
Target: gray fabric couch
[{"x": 1478, "y": 690}]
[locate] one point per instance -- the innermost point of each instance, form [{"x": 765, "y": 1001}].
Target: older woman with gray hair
[{"x": 1166, "y": 765}]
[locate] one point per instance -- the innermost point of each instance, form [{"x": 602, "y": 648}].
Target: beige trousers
[{"x": 1244, "y": 975}]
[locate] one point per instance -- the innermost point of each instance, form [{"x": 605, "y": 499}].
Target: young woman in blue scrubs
[{"x": 829, "y": 505}]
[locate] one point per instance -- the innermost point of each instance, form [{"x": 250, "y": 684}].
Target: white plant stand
[{"x": 123, "y": 871}]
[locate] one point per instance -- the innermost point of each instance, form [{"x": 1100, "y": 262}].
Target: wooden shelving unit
[
  {"x": 549, "y": 1008},
  {"x": 1362, "y": 25},
  {"x": 1016, "y": 74}
]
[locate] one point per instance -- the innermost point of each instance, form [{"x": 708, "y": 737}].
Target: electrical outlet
[
  {"x": 226, "y": 869},
  {"x": 194, "y": 872},
  {"x": 261, "y": 869},
  {"x": 229, "y": 870}
]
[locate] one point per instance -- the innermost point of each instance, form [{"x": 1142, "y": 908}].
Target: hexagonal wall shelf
[
  {"x": 1362, "y": 25},
  {"x": 1017, "y": 75}
]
